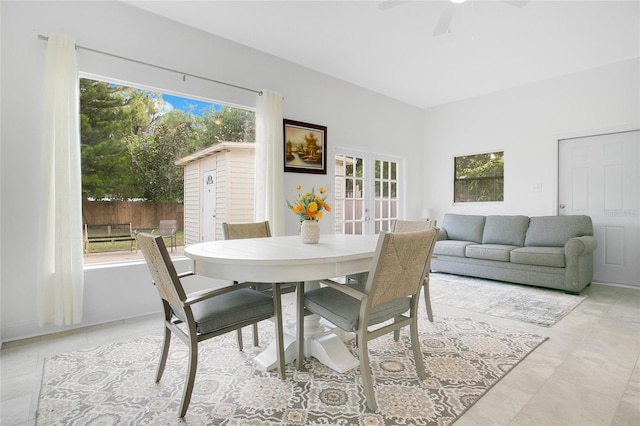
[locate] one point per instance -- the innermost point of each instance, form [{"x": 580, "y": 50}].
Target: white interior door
[
  {"x": 208, "y": 214},
  {"x": 598, "y": 177}
]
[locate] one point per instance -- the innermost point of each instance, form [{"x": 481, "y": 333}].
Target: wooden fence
[{"x": 141, "y": 214}]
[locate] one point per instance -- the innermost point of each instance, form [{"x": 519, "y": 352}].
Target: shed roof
[{"x": 214, "y": 149}]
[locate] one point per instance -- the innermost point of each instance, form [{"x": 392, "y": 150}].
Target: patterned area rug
[
  {"x": 114, "y": 384},
  {"x": 540, "y": 306}
]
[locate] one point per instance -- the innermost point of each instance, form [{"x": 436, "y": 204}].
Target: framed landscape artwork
[{"x": 305, "y": 147}]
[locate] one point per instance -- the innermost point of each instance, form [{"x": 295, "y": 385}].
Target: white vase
[{"x": 310, "y": 231}]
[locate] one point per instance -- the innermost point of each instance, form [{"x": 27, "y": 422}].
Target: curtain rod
[{"x": 184, "y": 74}]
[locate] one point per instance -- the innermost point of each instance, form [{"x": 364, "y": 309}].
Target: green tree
[
  {"x": 154, "y": 155},
  {"x": 106, "y": 164},
  {"x": 228, "y": 124},
  {"x": 194, "y": 125},
  {"x": 102, "y": 113},
  {"x": 130, "y": 144},
  {"x": 107, "y": 171},
  {"x": 142, "y": 109},
  {"x": 479, "y": 177},
  {"x": 108, "y": 115}
]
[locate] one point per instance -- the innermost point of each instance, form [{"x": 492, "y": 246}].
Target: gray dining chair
[
  {"x": 405, "y": 226},
  {"x": 418, "y": 225},
  {"x": 389, "y": 299},
  {"x": 232, "y": 231},
  {"x": 198, "y": 316}
]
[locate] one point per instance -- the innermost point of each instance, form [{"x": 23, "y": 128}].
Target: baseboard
[{"x": 634, "y": 287}]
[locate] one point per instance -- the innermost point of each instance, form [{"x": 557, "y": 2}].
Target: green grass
[{"x": 126, "y": 245}]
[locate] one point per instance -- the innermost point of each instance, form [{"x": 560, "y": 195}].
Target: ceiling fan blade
[
  {"x": 388, "y": 4},
  {"x": 445, "y": 19}
]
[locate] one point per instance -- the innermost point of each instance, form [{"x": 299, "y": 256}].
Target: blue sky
[{"x": 185, "y": 104}]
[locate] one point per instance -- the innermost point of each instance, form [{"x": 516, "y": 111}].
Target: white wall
[
  {"x": 523, "y": 122},
  {"x": 526, "y": 122},
  {"x": 355, "y": 118}
]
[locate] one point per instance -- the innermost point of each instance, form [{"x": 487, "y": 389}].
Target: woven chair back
[
  {"x": 162, "y": 270},
  {"x": 411, "y": 225},
  {"x": 401, "y": 263},
  {"x": 235, "y": 231}
]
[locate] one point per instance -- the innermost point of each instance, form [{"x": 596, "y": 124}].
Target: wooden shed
[{"x": 219, "y": 184}]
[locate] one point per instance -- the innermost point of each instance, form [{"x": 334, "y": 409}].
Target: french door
[{"x": 367, "y": 192}]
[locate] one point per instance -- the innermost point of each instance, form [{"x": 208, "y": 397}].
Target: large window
[
  {"x": 479, "y": 177},
  {"x": 130, "y": 140}
]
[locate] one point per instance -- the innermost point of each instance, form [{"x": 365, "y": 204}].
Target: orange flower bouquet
[{"x": 310, "y": 205}]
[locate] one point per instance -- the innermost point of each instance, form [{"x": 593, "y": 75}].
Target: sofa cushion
[
  {"x": 507, "y": 230},
  {"x": 555, "y": 231},
  {"x": 464, "y": 227},
  {"x": 498, "y": 252},
  {"x": 540, "y": 256},
  {"x": 451, "y": 248}
]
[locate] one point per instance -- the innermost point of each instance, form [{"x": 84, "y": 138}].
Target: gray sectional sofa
[{"x": 546, "y": 251}]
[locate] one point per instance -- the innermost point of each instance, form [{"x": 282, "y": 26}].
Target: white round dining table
[
  {"x": 287, "y": 259},
  {"x": 279, "y": 259}
]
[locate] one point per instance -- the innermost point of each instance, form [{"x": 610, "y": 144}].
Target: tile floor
[{"x": 587, "y": 373}]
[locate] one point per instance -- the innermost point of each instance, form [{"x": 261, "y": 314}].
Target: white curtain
[
  {"x": 61, "y": 279},
  {"x": 270, "y": 198}
]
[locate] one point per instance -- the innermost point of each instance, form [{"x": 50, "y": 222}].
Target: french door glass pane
[
  {"x": 354, "y": 203},
  {"x": 350, "y": 195},
  {"x": 386, "y": 210}
]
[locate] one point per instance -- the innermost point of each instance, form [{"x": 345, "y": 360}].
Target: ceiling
[{"x": 388, "y": 46}]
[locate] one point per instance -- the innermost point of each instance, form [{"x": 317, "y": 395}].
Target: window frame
[
  {"x": 128, "y": 257},
  {"x": 371, "y": 201},
  {"x": 495, "y": 197}
]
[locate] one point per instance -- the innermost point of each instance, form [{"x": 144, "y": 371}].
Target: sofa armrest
[
  {"x": 578, "y": 253},
  {"x": 580, "y": 245},
  {"x": 442, "y": 234}
]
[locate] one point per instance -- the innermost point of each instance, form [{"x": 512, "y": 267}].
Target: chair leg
[
  {"x": 396, "y": 333},
  {"x": 417, "y": 349},
  {"x": 427, "y": 299},
  {"x": 256, "y": 341},
  {"x": 255, "y": 335},
  {"x": 166, "y": 342},
  {"x": 239, "y": 338},
  {"x": 277, "y": 305},
  {"x": 300, "y": 325},
  {"x": 191, "y": 374},
  {"x": 365, "y": 372}
]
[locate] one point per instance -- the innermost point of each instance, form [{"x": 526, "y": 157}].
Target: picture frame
[{"x": 304, "y": 147}]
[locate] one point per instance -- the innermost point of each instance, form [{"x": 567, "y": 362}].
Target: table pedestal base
[
  {"x": 319, "y": 342},
  {"x": 331, "y": 351},
  {"x": 268, "y": 359}
]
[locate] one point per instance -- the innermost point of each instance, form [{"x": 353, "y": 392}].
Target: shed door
[
  {"x": 208, "y": 214},
  {"x": 599, "y": 177}
]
